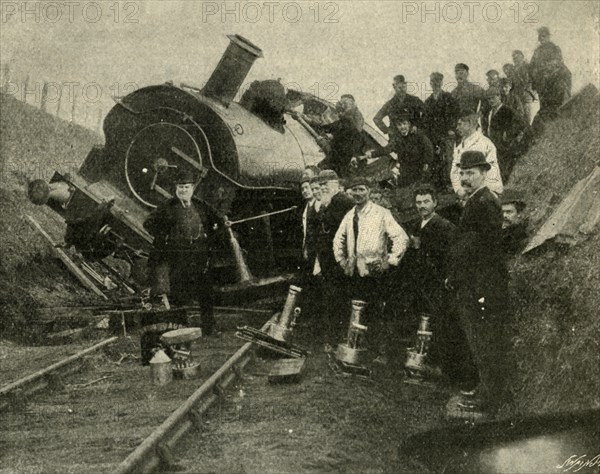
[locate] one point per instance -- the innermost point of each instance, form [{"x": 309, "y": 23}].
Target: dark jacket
[
  {"x": 441, "y": 115},
  {"x": 395, "y": 107},
  {"x": 504, "y": 128},
  {"x": 477, "y": 259},
  {"x": 166, "y": 225},
  {"x": 328, "y": 221},
  {"x": 542, "y": 55},
  {"x": 347, "y": 142},
  {"x": 414, "y": 151},
  {"x": 431, "y": 258},
  {"x": 514, "y": 238}
]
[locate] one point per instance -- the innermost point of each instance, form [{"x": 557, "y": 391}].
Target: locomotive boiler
[{"x": 250, "y": 153}]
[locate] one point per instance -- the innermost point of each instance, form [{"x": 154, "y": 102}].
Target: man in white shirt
[
  {"x": 473, "y": 140},
  {"x": 360, "y": 245}
]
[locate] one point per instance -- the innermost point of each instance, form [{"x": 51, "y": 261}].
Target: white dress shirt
[
  {"x": 477, "y": 142},
  {"x": 376, "y": 227}
]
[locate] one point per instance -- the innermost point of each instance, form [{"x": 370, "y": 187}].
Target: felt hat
[
  {"x": 328, "y": 175},
  {"x": 473, "y": 159}
]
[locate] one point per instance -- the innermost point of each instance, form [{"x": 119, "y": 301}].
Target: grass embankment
[
  {"x": 33, "y": 145},
  {"x": 557, "y": 290}
]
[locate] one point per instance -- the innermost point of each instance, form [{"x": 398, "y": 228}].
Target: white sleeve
[
  {"x": 339, "y": 241},
  {"x": 455, "y": 170},
  {"x": 494, "y": 178}
]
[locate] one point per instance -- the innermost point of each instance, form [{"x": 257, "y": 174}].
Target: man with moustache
[
  {"x": 184, "y": 231},
  {"x": 473, "y": 140},
  {"x": 514, "y": 224},
  {"x": 431, "y": 238},
  {"x": 366, "y": 245},
  {"x": 335, "y": 203},
  {"x": 479, "y": 277}
]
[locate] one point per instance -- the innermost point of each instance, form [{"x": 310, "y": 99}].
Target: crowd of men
[
  {"x": 467, "y": 140},
  {"x": 509, "y": 113}
]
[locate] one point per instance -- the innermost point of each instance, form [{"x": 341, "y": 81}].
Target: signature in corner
[{"x": 577, "y": 462}]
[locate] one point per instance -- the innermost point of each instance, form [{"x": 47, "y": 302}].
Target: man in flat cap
[
  {"x": 441, "y": 114},
  {"x": 367, "y": 243},
  {"x": 522, "y": 85},
  {"x": 479, "y": 278},
  {"x": 398, "y": 104},
  {"x": 415, "y": 154},
  {"x": 506, "y": 129},
  {"x": 546, "y": 52},
  {"x": 184, "y": 231},
  {"x": 514, "y": 223},
  {"x": 346, "y": 135},
  {"x": 471, "y": 139},
  {"x": 469, "y": 95}
]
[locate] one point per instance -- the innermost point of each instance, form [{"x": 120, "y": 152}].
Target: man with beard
[
  {"x": 413, "y": 148},
  {"x": 400, "y": 103},
  {"x": 334, "y": 205},
  {"x": 479, "y": 277}
]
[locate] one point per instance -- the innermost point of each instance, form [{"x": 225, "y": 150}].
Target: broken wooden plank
[{"x": 68, "y": 262}]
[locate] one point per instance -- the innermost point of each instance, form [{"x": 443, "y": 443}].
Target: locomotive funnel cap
[{"x": 186, "y": 177}]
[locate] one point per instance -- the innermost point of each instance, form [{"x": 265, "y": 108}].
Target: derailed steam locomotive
[{"x": 251, "y": 155}]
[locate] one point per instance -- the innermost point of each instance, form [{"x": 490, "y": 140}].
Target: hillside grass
[
  {"x": 33, "y": 145},
  {"x": 556, "y": 290}
]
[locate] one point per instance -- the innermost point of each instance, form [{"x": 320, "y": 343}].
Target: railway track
[{"x": 110, "y": 417}]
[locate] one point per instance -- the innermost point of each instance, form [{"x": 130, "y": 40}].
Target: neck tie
[{"x": 355, "y": 228}]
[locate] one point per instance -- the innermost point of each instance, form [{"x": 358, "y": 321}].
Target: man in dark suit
[
  {"x": 393, "y": 107},
  {"x": 441, "y": 115},
  {"x": 413, "y": 148},
  {"x": 335, "y": 205},
  {"x": 479, "y": 276},
  {"x": 184, "y": 231},
  {"x": 431, "y": 238},
  {"x": 507, "y": 130}
]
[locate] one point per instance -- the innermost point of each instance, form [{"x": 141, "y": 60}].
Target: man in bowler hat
[
  {"x": 479, "y": 277},
  {"x": 184, "y": 231}
]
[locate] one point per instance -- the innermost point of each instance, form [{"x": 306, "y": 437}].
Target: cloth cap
[
  {"x": 436, "y": 76},
  {"x": 358, "y": 181},
  {"x": 186, "y": 177},
  {"x": 461, "y": 66},
  {"x": 399, "y": 79},
  {"x": 543, "y": 30},
  {"x": 510, "y": 196},
  {"x": 328, "y": 175},
  {"x": 401, "y": 115},
  {"x": 307, "y": 176},
  {"x": 473, "y": 159}
]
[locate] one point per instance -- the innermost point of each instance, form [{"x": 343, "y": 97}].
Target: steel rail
[
  {"x": 151, "y": 452},
  {"x": 38, "y": 380}
]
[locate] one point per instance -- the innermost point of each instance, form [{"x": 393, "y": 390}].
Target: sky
[{"x": 104, "y": 48}]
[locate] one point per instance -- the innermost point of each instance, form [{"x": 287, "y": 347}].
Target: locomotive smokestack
[{"x": 232, "y": 69}]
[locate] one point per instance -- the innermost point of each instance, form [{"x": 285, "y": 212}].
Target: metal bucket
[{"x": 161, "y": 369}]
